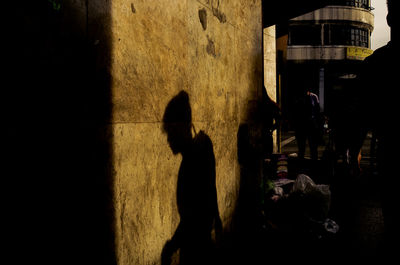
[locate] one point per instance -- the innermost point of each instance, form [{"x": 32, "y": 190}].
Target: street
[{"x": 355, "y": 205}]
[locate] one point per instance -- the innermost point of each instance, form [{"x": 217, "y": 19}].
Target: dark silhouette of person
[
  {"x": 272, "y": 118},
  {"x": 196, "y": 188},
  {"x": 345, "y": 119},
  {"x": 308, "y": 123},
  {"x": 379, "y": 106}
]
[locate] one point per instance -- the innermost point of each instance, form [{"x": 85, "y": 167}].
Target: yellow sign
[{"x": 357, "y": 53}]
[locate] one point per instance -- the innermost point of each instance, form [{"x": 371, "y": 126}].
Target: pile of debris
[{"x": 297, "y": 204}]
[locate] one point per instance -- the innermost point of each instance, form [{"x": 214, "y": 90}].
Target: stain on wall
[
  {"x": 203, "y": 18},
  {"x": 211, "y": 48},
  {"x": 133, "y": 9},
  {"x": 217, "y": 12}
]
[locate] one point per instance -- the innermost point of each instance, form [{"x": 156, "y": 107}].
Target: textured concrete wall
[
  {"x": 210, "y": 49},
  {"x": 140, "y": 54},
  {"x": 87, "y": 118},
  {"x": 93, "y": 171}
]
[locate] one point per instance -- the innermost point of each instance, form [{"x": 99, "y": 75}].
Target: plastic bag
[
  {"x": 331, "y": 226},
  {"x": 315, "y": 199}
]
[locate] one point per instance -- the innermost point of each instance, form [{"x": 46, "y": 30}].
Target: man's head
[{"x": 177, "y": 122}]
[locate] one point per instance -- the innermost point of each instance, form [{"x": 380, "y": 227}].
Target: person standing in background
[{"x": 308, "y": 123}]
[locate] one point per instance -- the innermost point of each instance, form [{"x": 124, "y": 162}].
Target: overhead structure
[{"x": 276, "y": 12}]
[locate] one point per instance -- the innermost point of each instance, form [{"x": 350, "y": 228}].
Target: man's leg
[
  {"x": 301, "y": 143},
  {"x": 313, "y": 140}
]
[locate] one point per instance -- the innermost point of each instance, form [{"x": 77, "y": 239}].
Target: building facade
[{"x": 324, "y": 50}]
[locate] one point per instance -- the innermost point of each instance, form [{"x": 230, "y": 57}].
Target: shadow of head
[
  {"x": 177, "y": 121},
  {"x": 391, "y": 18}
]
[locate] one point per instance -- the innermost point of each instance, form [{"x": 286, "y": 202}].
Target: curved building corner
[{"x": 325, "y": 48}]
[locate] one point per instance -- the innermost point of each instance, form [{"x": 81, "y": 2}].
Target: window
[
  {"x": 305, "y": 35},
  {"x": 344, "y": 35}
]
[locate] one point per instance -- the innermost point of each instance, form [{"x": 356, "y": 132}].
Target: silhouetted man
[
  {"x": 308, "y": 123},
  {"x": 379, "y": 103},
  {"x": 196, "y": 190}
]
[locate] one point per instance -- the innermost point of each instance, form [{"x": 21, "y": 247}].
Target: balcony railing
[{"x": 366, "y": 4}]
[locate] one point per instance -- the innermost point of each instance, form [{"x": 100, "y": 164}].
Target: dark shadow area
[
  {"x": 288, "y": 9},
  {"x": 363, "y": 185},
  {"x": 292, "y": 231},
  {"x": 250, "y": 242},
  {"x": 57, "y": 111},
  {"x": 376, "y": 112},
  {"x": 196, "y": 189}
]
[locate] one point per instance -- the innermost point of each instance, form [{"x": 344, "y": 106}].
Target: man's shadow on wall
[{"x": 196, "y": 189}]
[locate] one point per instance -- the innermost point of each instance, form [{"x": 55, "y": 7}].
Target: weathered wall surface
[
  {"x": 91, "y": 83},
  {"x": 213, "y": 51}
]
